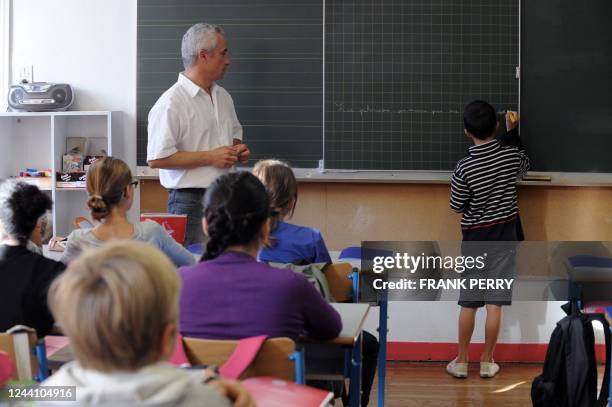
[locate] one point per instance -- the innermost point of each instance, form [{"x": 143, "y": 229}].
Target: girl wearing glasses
[{"x": 111, "y": 194}]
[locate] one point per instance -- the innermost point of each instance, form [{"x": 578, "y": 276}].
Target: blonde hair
[
  {"x": 106, "y": 183},
  {"x": 114, "y": 304},
  {"x": 279, "y": 180}
]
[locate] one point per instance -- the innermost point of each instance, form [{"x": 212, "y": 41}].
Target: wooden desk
[
  {"x": 383, "y": 304},
  {"x": 353, "y": 316}
]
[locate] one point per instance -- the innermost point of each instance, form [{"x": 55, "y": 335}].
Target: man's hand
[
  {"x": 512, "y": 119},
  {"x": 243, "y": 153},
  {"x": 233, "y": 390},
  {"x": 223, "y": 157}
]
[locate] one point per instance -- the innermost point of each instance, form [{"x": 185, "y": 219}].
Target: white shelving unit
[{"x": 38, "y": 140}]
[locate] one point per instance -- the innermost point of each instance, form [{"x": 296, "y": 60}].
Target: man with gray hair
[{"x": 194, "y": 133}]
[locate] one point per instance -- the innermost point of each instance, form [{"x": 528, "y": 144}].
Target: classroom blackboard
[
  {"x": 381, "y": 85},
  {"x": 566, "y": 84},
  {"x": 275, "y": 78},
  {"x": 397, "y": 74}
]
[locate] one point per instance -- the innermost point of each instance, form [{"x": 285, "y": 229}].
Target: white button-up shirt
[{"x": 185, "y": 118}]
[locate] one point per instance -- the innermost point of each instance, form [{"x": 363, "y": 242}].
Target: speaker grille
[
  {"x": 16, "y": 96},
  {"x": 59, "y": 95}
]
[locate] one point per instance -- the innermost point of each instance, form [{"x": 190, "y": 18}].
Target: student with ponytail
[
  {"x": 229, "y": 295},
  {"x": 288, "y": 243},
  {"x": 111, "y": 194}
]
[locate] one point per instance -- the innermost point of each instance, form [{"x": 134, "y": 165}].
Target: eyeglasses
[{"x": 134, "y": 183}]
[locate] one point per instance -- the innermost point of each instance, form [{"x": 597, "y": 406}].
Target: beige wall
[{"x": 347, "y": 213}]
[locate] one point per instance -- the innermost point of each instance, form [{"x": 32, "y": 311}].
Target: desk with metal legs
[{"x": 353, "y": 316}]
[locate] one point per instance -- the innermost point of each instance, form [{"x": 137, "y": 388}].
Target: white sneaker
[
  {"x": 488, "y": 369},
  {"x": 457, "y": 369}
]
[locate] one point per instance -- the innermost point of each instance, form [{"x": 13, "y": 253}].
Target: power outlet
[{"x": 25, "y": 73}]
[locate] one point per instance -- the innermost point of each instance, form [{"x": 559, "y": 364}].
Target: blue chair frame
[
  {"x": 297, "y": 358},
  {"x": 41, "y": 355}
]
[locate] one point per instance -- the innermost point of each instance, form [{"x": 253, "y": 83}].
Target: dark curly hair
[
  {"x": 236, "y": 205},
  {"x": 21, "y": 205}
]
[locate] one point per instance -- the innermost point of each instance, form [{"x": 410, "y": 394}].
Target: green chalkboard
[
  {"x": 276, "y": 75},
  {"x": 381, "y": 85},
  {"x": 566, "y": 84}
]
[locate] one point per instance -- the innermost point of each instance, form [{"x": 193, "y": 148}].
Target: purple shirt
[{"x": 233, "y": 297}]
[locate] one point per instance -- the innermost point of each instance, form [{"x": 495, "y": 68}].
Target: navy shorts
[{"x": 499, "y": 240}]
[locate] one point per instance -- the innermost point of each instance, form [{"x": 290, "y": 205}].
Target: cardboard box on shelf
[
  {"x": 71, "y": 179},
  {"x": 72, "y": 163},
  {"x": 76, "y": 145},
  {"x": 90, "y": 159},
  {"x": 97, "y": 146}
]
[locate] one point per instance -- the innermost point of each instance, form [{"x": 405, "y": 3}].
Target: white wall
[
  {"x": 5, "y": 49},
  {"x": 89, "y": 44},
  {"x": 523, "y": 322}
]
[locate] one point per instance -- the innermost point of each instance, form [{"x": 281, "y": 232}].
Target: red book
[
  {"x": 271, "y": 392},
  {"x": 175, "y": 225},
  {"x": 6, "y": 368}
]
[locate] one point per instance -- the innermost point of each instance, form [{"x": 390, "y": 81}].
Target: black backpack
[{"x": 569, "y": 378}]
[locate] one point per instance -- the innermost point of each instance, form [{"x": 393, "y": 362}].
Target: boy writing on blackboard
[{"x": 483, "y": 189}]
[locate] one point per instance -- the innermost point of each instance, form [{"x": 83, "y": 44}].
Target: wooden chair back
[
  {"x": 340, "y": 285},
  {"x": 7, "y": 346},
  {"x": 272, "y": 359}
]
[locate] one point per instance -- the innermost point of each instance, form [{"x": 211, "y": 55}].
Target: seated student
[
  {"x": 25, "y": 276},
  {"x": 229, "y": 295},
  {"x": 300, "y": 244},
  {"x": 111, "y": 193},
  {"x": 118, "y": 305},
  {"x": 288, "y": 243}
]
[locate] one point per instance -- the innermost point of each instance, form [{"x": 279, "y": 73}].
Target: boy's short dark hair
[{"x": 480, "y": 119}]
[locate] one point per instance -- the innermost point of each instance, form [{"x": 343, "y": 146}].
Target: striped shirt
[{"x": 483, "y": 185}]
